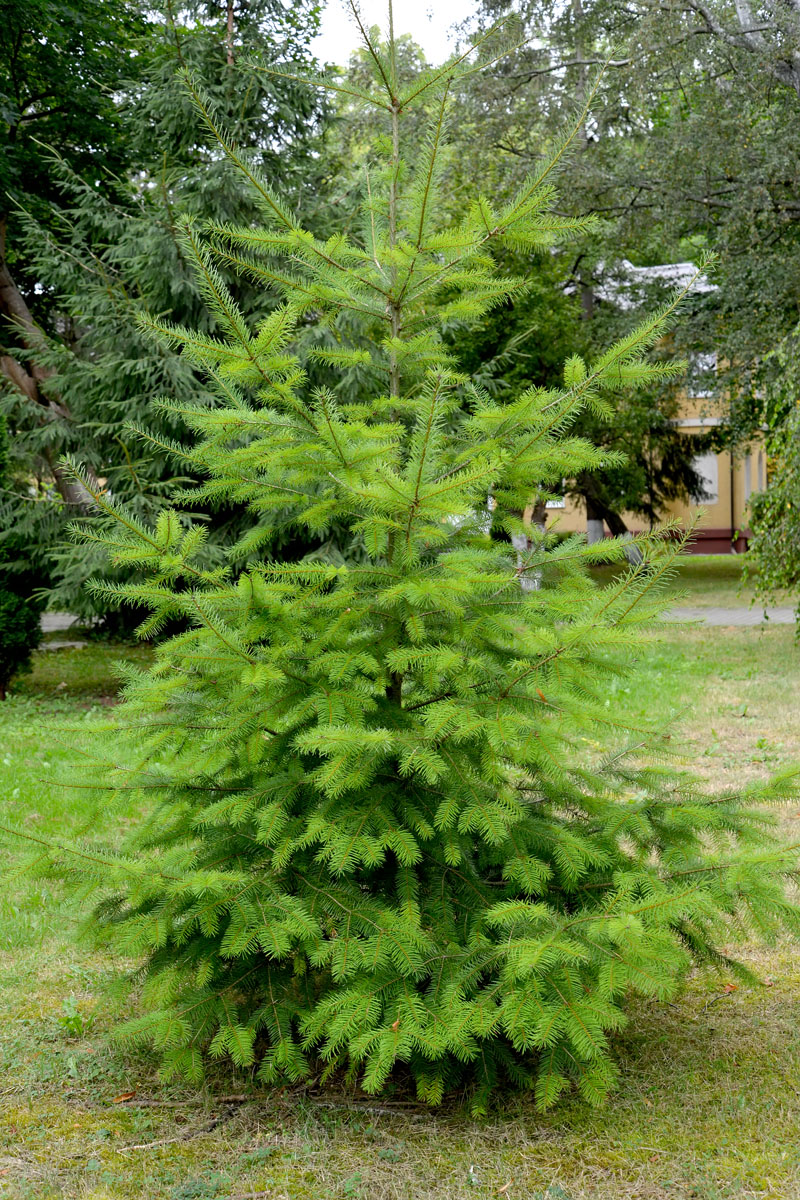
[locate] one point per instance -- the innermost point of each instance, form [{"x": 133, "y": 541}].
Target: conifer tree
[
  {"x": 394, "y": 829},
  {"x": 99, "y": 244}
]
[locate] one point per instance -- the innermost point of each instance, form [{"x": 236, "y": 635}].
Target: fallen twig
[
  {"x": 147, "y": 1102},
  {"x": 249, "y": 1195},
  {"x": 713, "y": 1000},
  {"x": 377, "y": 1109},
  {"x": 184, "y": 1137}
]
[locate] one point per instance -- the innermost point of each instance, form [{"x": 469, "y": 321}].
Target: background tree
[
  {"x": 527, "y": 341},
  {"x": 690, "y": 147},
  {"x": 98, "y": 254},
  {"x": 60, "y": 64},
  {"x": 773, "y": 565}
]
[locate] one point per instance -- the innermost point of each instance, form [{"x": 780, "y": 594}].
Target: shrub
[
  {"x": 773, "y": 564},
  {"x": 20, "y": 634}
]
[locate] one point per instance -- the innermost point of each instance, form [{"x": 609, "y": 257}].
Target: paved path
[
  {"x": 714, "y": 615},
  {"x": 59, "y": 623},
  {"x": 711, "y": 615}
]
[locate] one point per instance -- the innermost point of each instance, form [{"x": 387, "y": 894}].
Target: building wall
[{"x": 723, "y": 527}]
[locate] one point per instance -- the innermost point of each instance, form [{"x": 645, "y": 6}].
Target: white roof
[{"x": 620, "y": 288}]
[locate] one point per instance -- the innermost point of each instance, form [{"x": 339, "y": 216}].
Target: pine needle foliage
[{"x": 382, "y": 839}]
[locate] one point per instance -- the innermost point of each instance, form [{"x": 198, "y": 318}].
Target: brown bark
[
  {"x": 615, "y": 523},
  {"x": 30, "y": 378},
  {"x": 229, "y": 39},
  {"x": 536, "y": 514}
]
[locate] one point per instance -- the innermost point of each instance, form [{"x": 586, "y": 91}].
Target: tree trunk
[
  {"x": 534, "y": 514},
  {"x": 747, "y": 34},
  {"x": 595, "y": 531},
  {"x": 30, "y": 378},
  {"x": 598, "y": 512},
  {"x": 229, "y": 38}
]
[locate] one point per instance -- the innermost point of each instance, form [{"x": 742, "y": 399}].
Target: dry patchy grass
[{"x": 709, "y": 1102}]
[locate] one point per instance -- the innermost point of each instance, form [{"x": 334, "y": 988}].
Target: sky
[{"x": 429, "y": 21}]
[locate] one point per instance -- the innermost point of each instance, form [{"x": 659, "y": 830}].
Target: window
[
  {"x": 707, "y": 467},
  {"x": 701, "y": 375}
]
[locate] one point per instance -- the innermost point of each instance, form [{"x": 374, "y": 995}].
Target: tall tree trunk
[
  {"x": 30, "y": 378},
  {"x": 585, "y": 283},
  {"x": 229, "y": 37}
]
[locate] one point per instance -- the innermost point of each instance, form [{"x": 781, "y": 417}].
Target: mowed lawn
[
  {"x": 705, "y": 580},
  {"x": 709, "y": 1103}
]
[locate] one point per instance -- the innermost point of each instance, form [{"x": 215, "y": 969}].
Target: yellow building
[{"x": 729, "y": 479}]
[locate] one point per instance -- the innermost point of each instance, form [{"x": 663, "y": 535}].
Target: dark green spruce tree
[
  {"x": 381, "y": 840},
  {"x": 98, "y": 245}
]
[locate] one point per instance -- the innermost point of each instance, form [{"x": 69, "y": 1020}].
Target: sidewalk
[
  {"x": 59, "y": 623},
  {"x": 711, "y": 615},
  {"x": 715, "y": 615}
]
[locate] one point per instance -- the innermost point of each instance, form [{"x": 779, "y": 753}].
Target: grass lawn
[
  {"x": 709, "y": 1103},
  {"x": 706, "y": 579}
]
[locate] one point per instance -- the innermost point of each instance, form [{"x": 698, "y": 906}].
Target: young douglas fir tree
[{"x": 379, "y": 837}]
